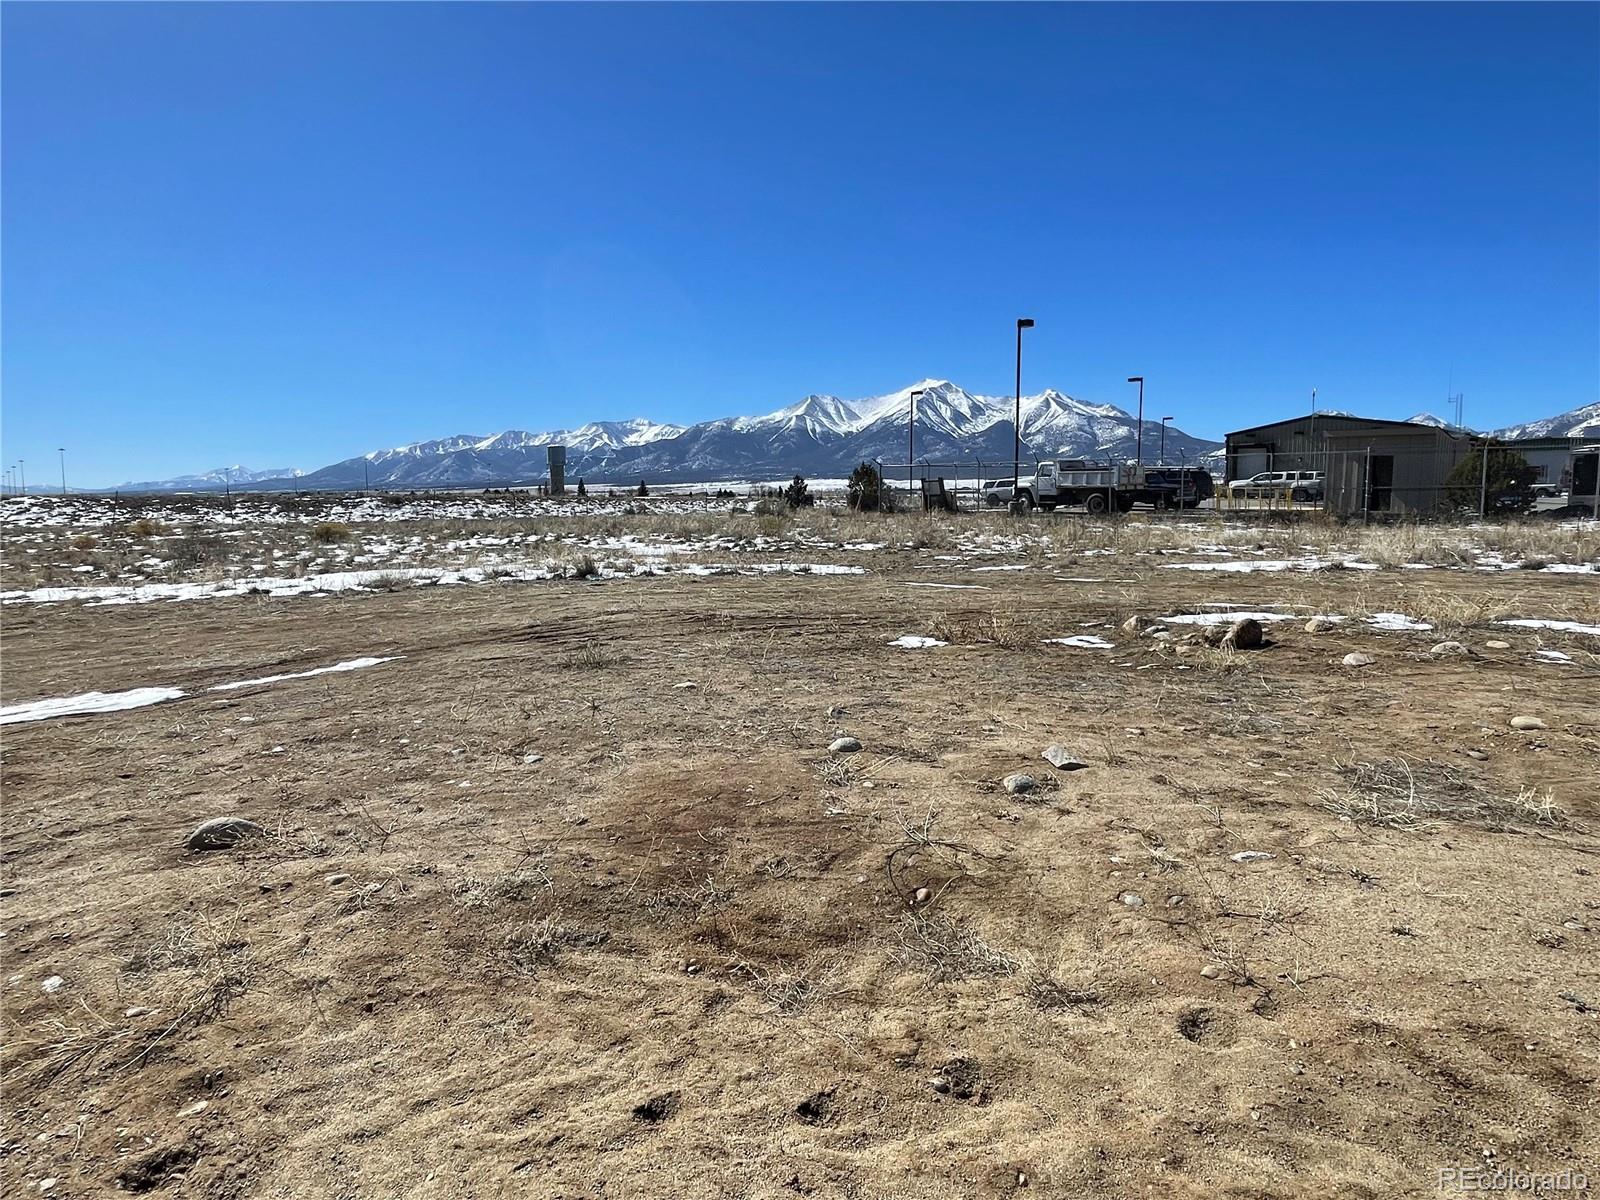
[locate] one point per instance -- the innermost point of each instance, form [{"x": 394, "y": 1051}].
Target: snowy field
[{"x": 97, "y": 550}]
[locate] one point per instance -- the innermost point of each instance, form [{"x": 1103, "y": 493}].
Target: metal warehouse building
[{"x": 1367, "y": 465}]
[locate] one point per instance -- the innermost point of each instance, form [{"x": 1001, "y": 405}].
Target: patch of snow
[
  {"x": 911, "y": 641},
  {"x": 1231, "y": 615},
  {"x": 1388, "y": 622},
  {"x": 1274, "y": 564},
  {"x": 88, "y": 702},
  {"x": 1561, "y": 626},
  {"x": 1082, "y": 641},
  {"x": 1554, "y": 656},
  {"x": 354, "y": 664}
]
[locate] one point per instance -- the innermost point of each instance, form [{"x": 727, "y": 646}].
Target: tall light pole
[
  {"x": 1138, "y": 437},
  {"x": 62, "y": 450},
  {"x": 911, "y": 436},
  {"x": 1164, "y": 421},
  {"x": 23, "y": 476},
  {"x": 1016, "y": 424}
]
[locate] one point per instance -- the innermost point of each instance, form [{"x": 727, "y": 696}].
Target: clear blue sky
[{"x": 284, "y": 234}]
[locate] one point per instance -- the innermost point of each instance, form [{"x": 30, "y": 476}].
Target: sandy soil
[{"x": 686, "y": 951}]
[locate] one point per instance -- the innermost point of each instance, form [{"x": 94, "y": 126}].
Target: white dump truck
[{"x": 1104, "y": 487}]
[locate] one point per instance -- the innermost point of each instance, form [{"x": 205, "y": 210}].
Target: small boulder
[
  {"x": 844, "y": 745},
  {"x": 1059, "y": 758},
  {"x": 1246, "y": 856},
  {"x": 1243, "y": 634},
  {"x": 52, "y": 985},
  {"x": 1019, "y": 784},
  {"x": 1321, "y": 625},
  {"x": 1450, "y": 650},
  {"x": 1497, "y": 645},
  {"x": 1133, "y": 899},
  {"x": 1355, "y": 659},
  {"x": 222, "y": 833},
  {"x": 1528, "y": 723},
  {"x": 1136, "y": 624}
]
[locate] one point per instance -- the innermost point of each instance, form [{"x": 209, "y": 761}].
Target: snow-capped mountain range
[
  {"x": 216, "y": 478},
  {"x": 1577, "y": 422},
  {"x": 819, "y": 436}
]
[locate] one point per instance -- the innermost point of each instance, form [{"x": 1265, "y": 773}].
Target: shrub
[
  {"x": 866, "y": 490},
  {"x": 582, "y": 491},
  {"x": 798, "y": 495},
  {"x": 146, "y": 527},
  {"x": 330, "y": 531},
  {"x": 1508, "y": 482},
  {"x": 643, "y": 491},
  {"x": 85, "y": 541}
]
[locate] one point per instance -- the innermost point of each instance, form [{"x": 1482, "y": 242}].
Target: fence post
[
  {"x": 1366, "y": 490},
  {"x": 1483, "y": 480}
]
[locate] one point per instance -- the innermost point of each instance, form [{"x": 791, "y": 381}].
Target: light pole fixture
[
  {"x": 62, "y": 450},
  {"x": 1016, "y": 424},
  {"x": 1138, "y": 436},
  {"x": 911, "y": 436},
  {"x": 1164, "y": 421}
]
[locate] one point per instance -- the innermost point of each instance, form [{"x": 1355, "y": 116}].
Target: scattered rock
[
  {"x": 1019, "y": 784},
  {"x": 222, "y": 833},
  {"x": 1211, "y": 971},
  {"x": 1477, "y": 754},
  {"x": 139, "y": 1010},
  {"x": 1133, "y": 899},
  {"x": 1528, "y": 723},
  {"x": 921, "y": 896},
  {"x": 1450, "y": 650},
  {"x": 960, "y": 1077},
  {"x": 195, "y": 1109},
  {"x": 1358, "y": 660},
  {"x": 1243, "y": 634},
  {"x": 1497, "y": 645},
  {"x": 530, "y": 759},
  {"x": 52, "y": 985},
  {"x": 1136, "y": 624},
  {"x": 1058, "y": 757},
  {"x": 844, "y": 745},
  {"x": 337, "y": 878},
  {"x": 1245, "y": 856},
  {"x": 939, "y": 1084},
  {"x": 1321, "y": 625}
]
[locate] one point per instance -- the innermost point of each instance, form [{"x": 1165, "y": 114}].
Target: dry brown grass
[{"x": 1400, "y": 794}]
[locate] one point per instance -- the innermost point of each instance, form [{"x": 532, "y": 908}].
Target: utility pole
[
  {"x": 22, "y": 476},
  {"x": 62, "y": 450},
  {"x": 911, "y": 438},
  {"x": 1138, "y": 436},
  {"x": 1016, "y": 424}
]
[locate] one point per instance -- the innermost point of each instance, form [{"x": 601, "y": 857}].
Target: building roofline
[{"x": 1340, "y": 417}]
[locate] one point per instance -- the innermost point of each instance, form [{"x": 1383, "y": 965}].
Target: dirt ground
[{"x": 572, "y": 899}]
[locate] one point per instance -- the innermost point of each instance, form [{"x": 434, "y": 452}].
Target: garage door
[{"x": 1251, "y": 462}]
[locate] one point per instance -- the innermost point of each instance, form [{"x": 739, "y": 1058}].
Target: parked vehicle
[
  {"x": 1302, "y": 486},
  {"x": 1101, "y": 487},
  {"x": 997, "y": 492}
]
